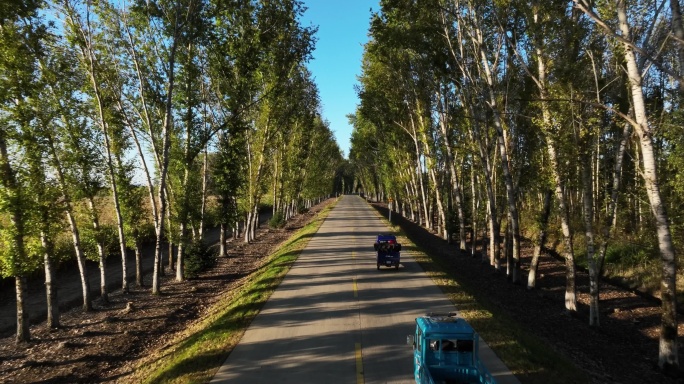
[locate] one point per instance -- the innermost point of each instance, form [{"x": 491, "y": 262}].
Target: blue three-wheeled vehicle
[{"x": 388, "y": 251}]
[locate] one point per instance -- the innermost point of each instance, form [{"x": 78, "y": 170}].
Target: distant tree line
[
  {"x": 122, "y": 122},
  {"x": 495, "y": 120}
]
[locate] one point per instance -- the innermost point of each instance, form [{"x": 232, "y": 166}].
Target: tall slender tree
[{"x": 21, "y": 35}]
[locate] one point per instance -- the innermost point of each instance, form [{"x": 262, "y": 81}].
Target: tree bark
[
  {"x": 541, "y": 239},
  {"x": 588, "y": 215},
  {"x": 89, "y": 54},
  {"x": 23, "y": 332},
  {"x": 678, "y": 31},
  {"x": 145, "y": 117},
  {"x": 494, "y": 228},
  {"x": 253, "y": 216},
  {"x": 668, "y": 352},
  {"x": 423, "y": 216},
  {"x": 50, "y": 286},
  {"x": 475, "y": 201},
  {"x": 205, "y": 186},
  {"x": 511, "y": 193},
  {"x": 75, "y": 233},
  {"x": 166, "y": 144},
  {"x": 568, "y": 252},
  {"x": 138, "y": 265},
  {"x": 184, "y": 205},
  {"x": 222, "y": 239},
  {"x": 9, "y": 181},
  {"x": 101, "y": 256}
]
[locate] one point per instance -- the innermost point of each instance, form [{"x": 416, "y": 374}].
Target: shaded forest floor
[
  {"x": 624, "y": 349},
  {"x": 105, "y": 344}
]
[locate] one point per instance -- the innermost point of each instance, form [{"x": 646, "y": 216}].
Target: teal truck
[{"x": 445, "y": 351}]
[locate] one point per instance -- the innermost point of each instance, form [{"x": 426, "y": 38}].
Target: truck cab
[{"x": 445, "y": 350}]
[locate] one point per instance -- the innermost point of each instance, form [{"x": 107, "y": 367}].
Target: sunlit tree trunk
[
  {"x": 101, "y": 256},
  {"x": 89, "y": 58},
  {"x": 164, "y": 166},
  {"x": 678, "y": 31},
  {"x": 75, "y": 233},
  {"x": 441, "y": 228},
  {"x": 511, "y": 193},
  {"x": 668, "y": 352},
  {"x": 568, "y": 251},
  {"x": 205, "y": 186},
  {"x": 138, "y": 264},
  {"x": 13, "y": 204},
  {"x": 419, "y": 178},
  {"x": 588, "y": 215},
  {"x": 50, "y": 285},
  {"x": 541, "y": 239},
  {"x": 494, "y": 229}
]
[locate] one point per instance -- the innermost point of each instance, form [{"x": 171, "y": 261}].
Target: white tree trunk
[
  {"x": 588, "y": 215},
  {"x": 568, "y": 252},
  {"x": 50, "y": 286},
  {"x": 101, "y": 256},
  {"x": 668, "y": 351},
  {"x": 541, "y": 239}
]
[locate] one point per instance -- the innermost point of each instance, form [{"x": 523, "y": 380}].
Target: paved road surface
[{"x": 336, "y": 319}]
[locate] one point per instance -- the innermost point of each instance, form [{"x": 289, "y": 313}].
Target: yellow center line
[
  {"x": 359, "y": 364},
  {"x": 356, "y": 290}
]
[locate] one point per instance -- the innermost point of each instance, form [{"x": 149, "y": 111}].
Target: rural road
[{"x": 335, "y": 318}]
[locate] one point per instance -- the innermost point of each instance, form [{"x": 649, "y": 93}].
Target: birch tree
[
  {"x": 667, "y": 356},
  {"x": 21, "y": 31},
  {"x": 85, "y": 35}
]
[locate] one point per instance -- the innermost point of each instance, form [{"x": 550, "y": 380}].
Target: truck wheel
[
  {"x": 378, "y": 267},
  {"x": 396, "y": 266}
]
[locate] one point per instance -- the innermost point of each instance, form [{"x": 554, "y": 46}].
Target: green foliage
[
  {"x": 625, "y": 256},
  {"x": 277, "y": 220},
  {"x": 198, "y": 257},
  {"x": 107, "y": 235}
]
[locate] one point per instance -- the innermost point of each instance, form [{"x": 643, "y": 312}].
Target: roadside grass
[
  {"x": 530, "y": 359},
  {"x": 198, "y": 353}
]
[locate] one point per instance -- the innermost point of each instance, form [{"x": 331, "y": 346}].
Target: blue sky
[{"x": 342, "y": 32}]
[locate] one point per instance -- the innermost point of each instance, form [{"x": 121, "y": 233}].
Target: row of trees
[
  {"x": 206, "y": 104},
  {"x": 480, "y": 114}
]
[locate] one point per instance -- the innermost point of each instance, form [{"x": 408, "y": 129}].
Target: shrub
[
  {"x": 277, "y": 220},
  {"x": 630, "y": 255},
  {"x": 301, "y": 207},
  {"x": 198, "y": 257}
]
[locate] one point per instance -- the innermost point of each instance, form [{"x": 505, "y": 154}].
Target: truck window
[{"x": 443, "y": 345}]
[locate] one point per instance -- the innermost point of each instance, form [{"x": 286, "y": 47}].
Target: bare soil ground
[{"x": 105, "y": 344}]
